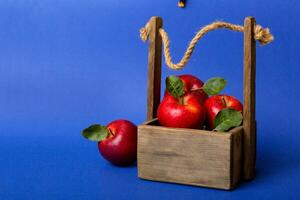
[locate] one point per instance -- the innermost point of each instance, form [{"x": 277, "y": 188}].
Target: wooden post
[
  {"x": 249, "y": 137},
  {"x": 154, "y": 67}
]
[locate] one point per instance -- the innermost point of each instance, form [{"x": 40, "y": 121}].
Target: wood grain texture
[
  {"x": 249, "y": 137},
  {"x": 236, "y": 155},
  {"x": 154, "y": 67},
  {"x": 189, "y": 156}
]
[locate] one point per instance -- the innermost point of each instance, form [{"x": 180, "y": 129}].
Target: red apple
[
  {"x": 216, "y": 103},
  {"x": 192, "y": 85},
  {"x": 120, "y": 146},
  {"x": 189, "y": 113},
  {"x": 187, "y": 110}
]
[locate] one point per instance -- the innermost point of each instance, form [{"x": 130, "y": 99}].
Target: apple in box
[
  {"x": 182, "y": 107},
  {"x": 214, "y": 104}
]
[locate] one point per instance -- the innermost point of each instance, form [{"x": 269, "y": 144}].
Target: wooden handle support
[
  {"x": 249, "y": 124},
  {"x": 154, "y": 67}
]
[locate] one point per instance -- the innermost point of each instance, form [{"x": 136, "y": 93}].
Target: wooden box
[
  {"x": 195, "y": 157},
  {"x": 191, "y": 156}
]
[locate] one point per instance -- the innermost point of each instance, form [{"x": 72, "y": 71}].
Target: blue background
[{"x": 67, "y": 64}]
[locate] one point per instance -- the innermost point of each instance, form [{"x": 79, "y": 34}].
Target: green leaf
[
  {"x": 95, "y": 133},
  {"x": 174, "y": 86},
  {"x": 227, "y": 119},
  {"x": 214, "y": 85}
]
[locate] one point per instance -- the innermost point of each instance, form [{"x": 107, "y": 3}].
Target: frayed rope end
[{"x": 263, "y": 35}]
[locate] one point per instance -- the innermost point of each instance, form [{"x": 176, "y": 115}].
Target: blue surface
[{"x": 67, "y": 64}]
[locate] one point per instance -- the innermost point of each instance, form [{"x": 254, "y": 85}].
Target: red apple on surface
[
  {"x": 214, "y": 104},
  {"x": 117, "y": 142},
  {"x": 121, "y": 145},
  {"x": 182, "y": 107}
]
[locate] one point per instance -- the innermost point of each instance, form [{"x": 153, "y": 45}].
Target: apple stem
[
  {"x": 223, "y": 101},
  {"x": 110, "y": 133},
  {"x": 196, "y": 89},
  {"x": 180, "y": 99}
]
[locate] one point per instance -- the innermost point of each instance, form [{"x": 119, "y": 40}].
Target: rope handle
[{"x": 262, "y": 35}]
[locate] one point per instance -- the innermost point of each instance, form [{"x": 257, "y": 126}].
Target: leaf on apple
[
  {"x": 214, "y": 85},
  {"x": 95, "y": 133},
  {"x": 227, "y": 119},
  {"x": 174, "y": 86}
]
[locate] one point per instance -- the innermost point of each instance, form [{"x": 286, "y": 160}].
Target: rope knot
[{"x": 263, "y": 35}]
